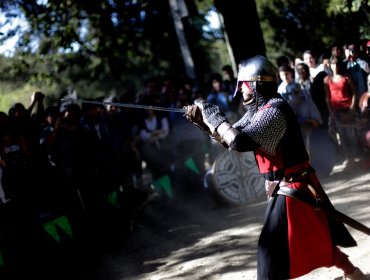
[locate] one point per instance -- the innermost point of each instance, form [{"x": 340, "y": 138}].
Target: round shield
[{"x": 236, "y": 177}]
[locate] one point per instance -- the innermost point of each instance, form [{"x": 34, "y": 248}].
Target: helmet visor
[{"x": 238, "y": 88}]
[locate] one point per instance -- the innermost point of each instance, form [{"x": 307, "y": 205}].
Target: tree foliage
[
  {"x": 106, "y": 42},
  {"x": 292, "y": 26},
  {"x": 104, "y": 45}
]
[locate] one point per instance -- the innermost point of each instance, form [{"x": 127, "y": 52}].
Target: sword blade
[
  {"x": 137, "y": 106},
  {"x": 339, "y": 216}
]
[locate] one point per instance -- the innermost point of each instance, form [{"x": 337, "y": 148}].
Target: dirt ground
[{"x": 190, "y": 237}]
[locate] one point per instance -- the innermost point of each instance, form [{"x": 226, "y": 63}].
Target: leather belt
[{"x": 298, "y": 176}]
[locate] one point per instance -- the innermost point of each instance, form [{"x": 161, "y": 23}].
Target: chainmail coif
[{"x": 263, "y": 121}]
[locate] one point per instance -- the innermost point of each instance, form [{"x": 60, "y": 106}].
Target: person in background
[
  {"x": 151, "y": 94},
  {"x": 357, "y": 68},
  {"x": 317, "y": 88},
  {"x": 282, "y": 60},
  {"x": 228, "y": 84},
  {"x": 311, "y": 60},
  {"x": 3, "y": 131},
  {"x": 297, "y": 60},
  {"x": 299, "y": 98},
  {"x": 229, "y": 80},
  {"x": 368, "y": 49},
  {"x": 168, "y": 90},
  {"x": 340, "y": 92},
  {"x": 337, "y": 50},
  {"x": 51, "y": 116},
  {"x": 363, "y": 50},
  {"x": 303, "y": 75},
  {"x": 287, "y": 85},
  {"x": 295, "y": 238},
  {"x": 153, "y": 130},
  {"x": 217, "y": 94},
  {"x": 364, "y": 130},
  {"x": 324, "y": 63}
]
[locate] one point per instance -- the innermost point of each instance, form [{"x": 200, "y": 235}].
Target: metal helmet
[{"x": 257, "y": 68}]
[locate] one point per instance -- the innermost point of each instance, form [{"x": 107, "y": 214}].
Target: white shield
[{"x": 236, "y": 177}]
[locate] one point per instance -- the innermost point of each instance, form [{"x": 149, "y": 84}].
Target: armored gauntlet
[
  {"x": 212, "y": 115},
  {"x": 194, "y": 114}
]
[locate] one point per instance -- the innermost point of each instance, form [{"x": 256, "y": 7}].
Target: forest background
[{"x": 104, "y": 47}]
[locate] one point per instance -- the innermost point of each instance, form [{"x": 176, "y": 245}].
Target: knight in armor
[{"x": 296, "y": 237}]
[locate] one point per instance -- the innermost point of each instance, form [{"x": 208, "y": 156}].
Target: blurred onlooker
[
  {"x": 364, "y": 106},
  {"x": 317, "y": 87},
  {"x": 168, "y": 90},
  {"x": 345, "y": 51},
  {"x": 3, "y": 197},
  {"x": 282, "y": 60},
  {"x": 301, "y": 102},
  {"x": 217, "y": 94},
  {"x": 357, "y": 68},
  {"x": 337, "y": 50},
  {"x": 23, "y": 125},
  {"x": 363, "y": 50},
  {"x": 306, "y": 87},
  {"x": 51, "y": 116},
  {"x": 297, "y": 60},
  {"x": 151, "y": 94},
  {"x": 154, "y": 129},
  {"x": 368, "y": 49},
  {"x": 17, "y": 161},
  {"x": 307, "y": 114},
  {"x": 184, "y": 97},
  {"x": 229, "y": 84},
  {"x": 74, "y": 151},
  {"x": 229, "y": 79},
  {"x": 341, "y": 99},
  {"x": 324, "y": 63},
  {"x": 3, "y": 130},
  {"x": 287, "y": 85},
  {"x": 311, "y": 60},
  {"x": 303, "y": 77},
  {"x": 4, "y": 122}
]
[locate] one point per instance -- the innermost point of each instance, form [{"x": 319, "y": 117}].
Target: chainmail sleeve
[{"x": 265, "y": 130}]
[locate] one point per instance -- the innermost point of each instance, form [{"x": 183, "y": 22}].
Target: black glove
[{"x": 212, "y": 115}]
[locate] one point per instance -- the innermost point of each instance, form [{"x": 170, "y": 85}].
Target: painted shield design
[{"x": 236, "y": 177}]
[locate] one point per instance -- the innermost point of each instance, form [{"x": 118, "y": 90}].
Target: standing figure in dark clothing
[
  {"x": 296, "y": 238},
  {"x": 73, "y": 152}
]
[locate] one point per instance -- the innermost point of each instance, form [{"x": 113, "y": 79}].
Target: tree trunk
[
  {"x": 242, "y": 26},
  {"x": 178, "y": 10}
]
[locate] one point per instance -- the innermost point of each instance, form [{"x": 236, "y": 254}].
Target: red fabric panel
[
  {"x": 268, "y": 163},
  {"x": 310, "y": 244}
]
